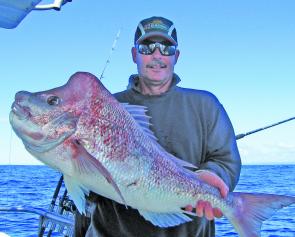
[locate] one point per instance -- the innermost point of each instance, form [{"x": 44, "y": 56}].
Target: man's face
[{"x": 154, "y": 69}]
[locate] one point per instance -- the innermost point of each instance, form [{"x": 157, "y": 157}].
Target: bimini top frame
[{"x": 12, "y": 12}]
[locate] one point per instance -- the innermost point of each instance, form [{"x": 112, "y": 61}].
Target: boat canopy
[{"x": 12, "y": 12}]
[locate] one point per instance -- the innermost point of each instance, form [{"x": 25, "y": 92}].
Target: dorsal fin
[{"x": 138, "y": 112}]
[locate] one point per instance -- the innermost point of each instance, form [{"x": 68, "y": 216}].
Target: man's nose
[{"x": 157, "y": 53}]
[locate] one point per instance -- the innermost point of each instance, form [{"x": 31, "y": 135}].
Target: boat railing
[
  {"x": 50, "y": 220},
  {"x": 58, "y": 218}
]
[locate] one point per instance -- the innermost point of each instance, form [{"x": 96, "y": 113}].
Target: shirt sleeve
[{"x": 222, "y": 156}]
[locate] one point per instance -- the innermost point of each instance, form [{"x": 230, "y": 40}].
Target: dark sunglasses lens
[
  {"x": 144, "y": 49},
  {"x": 167, "y": 50}
]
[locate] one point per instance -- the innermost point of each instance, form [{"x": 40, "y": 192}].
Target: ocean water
[{"x": 34, "y": 186}]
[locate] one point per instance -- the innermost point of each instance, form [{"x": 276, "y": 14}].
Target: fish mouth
[{"x": 21, "y": 112}]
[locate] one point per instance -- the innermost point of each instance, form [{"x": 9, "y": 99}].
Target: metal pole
[{"x": 42, "y": 225}]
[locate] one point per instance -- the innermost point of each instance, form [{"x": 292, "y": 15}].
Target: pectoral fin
[
  {"x": 77, "y": 192},
  {"x": 85, "y": 163}
]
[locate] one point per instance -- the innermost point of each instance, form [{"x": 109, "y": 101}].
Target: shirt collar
[{"x": 134, "y": 82}]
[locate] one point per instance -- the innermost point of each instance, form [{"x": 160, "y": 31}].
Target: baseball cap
[{"x": 155, "y": 26}]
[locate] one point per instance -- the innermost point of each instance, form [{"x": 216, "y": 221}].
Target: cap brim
[{"x": 159, "y": 34}]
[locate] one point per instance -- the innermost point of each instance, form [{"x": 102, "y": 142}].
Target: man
[{"x": 190, "y": 124}]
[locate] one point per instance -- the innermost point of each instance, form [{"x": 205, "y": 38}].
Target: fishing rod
[
  {"x": 242, "y": 135},
  {"x": 110, "y": 54},
  {"x": 43, "y": 222}
]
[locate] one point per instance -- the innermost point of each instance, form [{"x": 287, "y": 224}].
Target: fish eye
[{"x": 53, "y": 100}]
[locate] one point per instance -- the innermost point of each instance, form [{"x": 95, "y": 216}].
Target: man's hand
[{"x": 204, "y": 207}]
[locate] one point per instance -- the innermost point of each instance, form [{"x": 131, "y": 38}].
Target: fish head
[{"x": 45, "y": 119}]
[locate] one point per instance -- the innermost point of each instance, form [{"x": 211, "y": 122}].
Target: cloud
[
  {"x": 287, "y": 146},
  {"x": 282, "y": 152}
]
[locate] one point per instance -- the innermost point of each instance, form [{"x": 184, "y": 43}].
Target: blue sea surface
[{"x": 35, "y": 185}]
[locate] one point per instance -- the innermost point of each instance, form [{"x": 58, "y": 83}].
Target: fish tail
[{"x": 250, "y": 210}]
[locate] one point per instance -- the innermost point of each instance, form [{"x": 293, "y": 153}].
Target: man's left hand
[{"x": 204, "y": 207}]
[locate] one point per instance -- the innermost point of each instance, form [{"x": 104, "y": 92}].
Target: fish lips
[{"x": 21, "y": 112}]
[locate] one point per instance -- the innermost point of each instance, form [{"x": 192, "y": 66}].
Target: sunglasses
[{"x": 149, "y": 48}]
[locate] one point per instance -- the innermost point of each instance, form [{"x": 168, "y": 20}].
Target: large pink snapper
[{"x": 106, "y": 147}]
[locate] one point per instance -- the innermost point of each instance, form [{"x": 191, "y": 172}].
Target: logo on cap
[{"x": 156, "y": 25}]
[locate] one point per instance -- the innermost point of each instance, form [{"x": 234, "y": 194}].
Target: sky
[{"x": 242, "y": 51}]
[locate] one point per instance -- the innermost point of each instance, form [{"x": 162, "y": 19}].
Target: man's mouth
[{"x": 156, "y": 64}]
